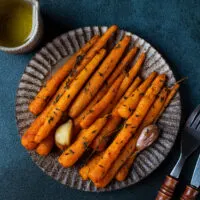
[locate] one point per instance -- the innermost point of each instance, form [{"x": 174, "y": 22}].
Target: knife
[{"x": 191, "y": 191}]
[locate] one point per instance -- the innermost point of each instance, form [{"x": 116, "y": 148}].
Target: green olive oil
[{"x": 15, "y": 23}]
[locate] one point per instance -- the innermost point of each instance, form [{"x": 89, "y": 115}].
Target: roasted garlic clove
[
  {"x": 63, "y": 135},
  {"x": 148, "y": 135}
]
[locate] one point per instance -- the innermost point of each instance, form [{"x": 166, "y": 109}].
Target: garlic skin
[
  {"x": 148, "y": 135},
  {"x": 63, "y": 135}
]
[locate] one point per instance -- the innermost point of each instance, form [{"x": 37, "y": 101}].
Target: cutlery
[
  {"x": 190, "y": 141},
  {"x": 191, "y": 191}
]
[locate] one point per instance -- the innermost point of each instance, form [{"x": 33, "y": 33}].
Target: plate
[{"x": 50, "y": 58}]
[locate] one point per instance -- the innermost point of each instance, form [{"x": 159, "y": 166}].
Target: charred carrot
[
  {"x": 101, "y": 105},
  {"x": 76, "y": 150},
  {"x": 96, "y": 81},
  {"x": 42, "y": 98},
  {"x": 56, "y": 112},
  {"x": 128, "y": 130},
  {"x": 127, "y": 108}
]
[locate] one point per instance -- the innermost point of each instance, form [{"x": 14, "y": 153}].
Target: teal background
[{"x": 172, "y": 26}]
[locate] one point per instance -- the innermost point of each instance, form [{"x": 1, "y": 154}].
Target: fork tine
[
  {"x": 196, "y": 122},
  {"x": 193, "y": 115}
]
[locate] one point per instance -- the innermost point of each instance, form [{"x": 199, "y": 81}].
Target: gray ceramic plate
[{"x": 52, "y": 56}]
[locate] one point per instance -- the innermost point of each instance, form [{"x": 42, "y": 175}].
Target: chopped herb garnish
[
  {"x": 85, "y": 144},
  {"x": 84, "y": 137},
  {"x": 57, "y": 98},
  {"x": 68, "y": 96},
  {"x": 79, "y": 58},
  {"x": 125, "y": 97},
  {"x": 161, "y": 99},
  {"x": 91, "y": 111},
  {"x": 71, "y": 151},
  {"x": 137, "y": 115},
  {"x": 126, "y": 125},
  {"x": 142, "y": 94},
  {"x": 86, "y": 89},
  {"x": 50, "y": 119},
  {"x": 94, "y": 131},
  {"x": 117, "y": 46},
  {"x": 100, "y": 74},
  {"x": 47, "y": 98}
]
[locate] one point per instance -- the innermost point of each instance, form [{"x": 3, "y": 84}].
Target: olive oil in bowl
[{"x": 15, "y": 22}]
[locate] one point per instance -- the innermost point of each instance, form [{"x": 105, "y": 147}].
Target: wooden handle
[
  {"x": 167, "y": 189},
  {"x": 190, "y": 193}
]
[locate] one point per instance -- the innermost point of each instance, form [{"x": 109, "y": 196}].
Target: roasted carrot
[
  {"x": 128, "y": 130},
  {"x": 76, "y": 150},
  {"x": 101, "y": 105},
  {"x": 130, "y": 90},
  {"x": 90, "y": 54},
  {"x": 130, "y": 76},
  {"x": 172, "y": 93},
  {"x": 56, "y": 112},
  {"x": 45, "y": 147},
  {"x": 127, "y": 108},
  {"x": 100, "y": 142},
  {"x": 85, "y": 170},
  {"x": 123, "y": 172},
  {"x": 27, "y": 139},
  {"x": 107, "y": 84},
  {"x": 120, "y": 99},
  {"x": 44, "y": 95},
  {"x": 116, "y": 165},
  {"x": 96, "y": 81},
  {"x": 152, "y": 114}
]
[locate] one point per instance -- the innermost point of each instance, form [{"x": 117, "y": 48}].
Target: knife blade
[{"x": 196, "y": 174}]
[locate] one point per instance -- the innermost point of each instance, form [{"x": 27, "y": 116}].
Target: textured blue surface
[{"x": 172, "y": 26}]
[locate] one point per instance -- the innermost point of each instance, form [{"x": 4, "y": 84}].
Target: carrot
[
  {"x": 27, "y": 139},
  {"x": 172, "y": 93},
  {"x": 130, "y": 76},
  {"x": 127, "y": 108},
  {"x": 85, "y": 170},
  {"x": 56, "y": 112},
  {"x": 90, "y": 54},
  {"x": 109, "y": 129},
  {"x": 45, "y": 147},
  {"x": 42, "y": 98},
  {"x": 130, "y": 90},
  {"x": 100, "y": 142},
  {"x": 107, "y": 84},
  {"x": 96, "y": 81},
  {"x": 101, "y": 105},
  {"x": 152, "y": 114},
  {"x": 116, "y": 165},
  {"x": 76, "y": 150},
  {"x": 128, "y": 130},
  {"x": 123, "y": 172},
  {"x": 118, "y": 101}
]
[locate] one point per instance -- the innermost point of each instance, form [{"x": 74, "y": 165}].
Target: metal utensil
[
  {"x": 191, "y": 191},
  {"x": 190, "y": 141}
]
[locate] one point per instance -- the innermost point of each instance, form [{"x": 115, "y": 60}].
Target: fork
[{"x": 190, "y": 141}]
